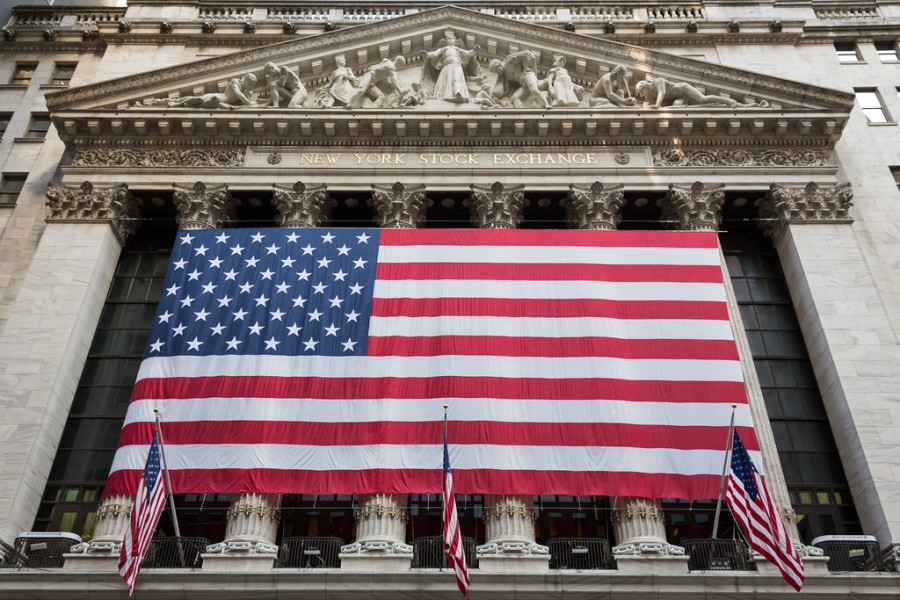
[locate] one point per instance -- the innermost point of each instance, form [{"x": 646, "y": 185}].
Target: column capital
[
  {"x": 399, "y": 206},
  {"x": 89, "y": 203},
  {"x": 302, "y": 205},
  {"x": 497, "y": 206},
  {"x": 697, "y": 207},
  {"x": 203, "y": 207},
  {"x": 594, "y": 206},
  {"x": 809, "y": 204}
]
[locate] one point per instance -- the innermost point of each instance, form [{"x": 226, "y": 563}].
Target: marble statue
[
  {"x": 562, "y": 90},
  {"x": 380, "y": 85},
  {"x": 342, "y": 86},
  {"x": 613, "y": 89},
  {"x": 517, "y": 80},
  {"x": 448, "y": 68},
  {"x": 238, "y": 92},
  {"x": 283, "y": 84},
  {"x": 484, "y": 97},
  {"x": 656, "y": 92}
]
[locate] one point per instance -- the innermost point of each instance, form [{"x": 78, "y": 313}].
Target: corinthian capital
[
  {"x": 89, "y": 203},
  {"x": 694, "y": 208},
  {"x": 810, "y": 204},
  {"x": 594, "y": 206},
  {"x": 302, "y": 205},
  {"x": 399, "y": 206},
  {"x": 202, "y": 207},
  {"x": 497, "y": 206}
]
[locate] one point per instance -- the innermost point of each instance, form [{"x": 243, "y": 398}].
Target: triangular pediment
[{"x": 496, "y": 56}]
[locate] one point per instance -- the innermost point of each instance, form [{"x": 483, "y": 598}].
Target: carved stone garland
[
  {"x": 302, "y": 206},
  {"x": 497, "y": 206},
  {"x": 810, "y": 204},
  {"x": 89, "y": 203},
  {"x": 594, "y": 206},
  {"x": 202, "y": 207}
]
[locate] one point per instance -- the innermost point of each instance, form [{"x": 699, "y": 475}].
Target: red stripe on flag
[
  {"x": 324, "y": 388},
  {"x": 548, "y": 237},
  {"x": 550, "y": 272},
  {"x": 490, "y": 345}
]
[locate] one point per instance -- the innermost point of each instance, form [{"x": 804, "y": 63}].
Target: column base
[
  {"x": 652, "y": 565},
  {"x": 238, "y": 562},
  {"x": 507, "y": 563},
  {"x": 514, "y": 548},
  {"x": 97, "y": 563},
  {"x": 655, "y": 548},
  {"x": 375, "y": 563}
]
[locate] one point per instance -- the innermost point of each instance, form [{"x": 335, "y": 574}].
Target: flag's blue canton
[
  {"x": 743, "y": 467},
  {"x": 267, "y": 291},
  {"x": 152, "y": 469}
]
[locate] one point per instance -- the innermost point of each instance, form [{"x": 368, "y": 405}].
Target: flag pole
[
  {"x": 165, "y": 465},
  {"x": 443, "y": 533},
  {"x": 728, "y": 442}
]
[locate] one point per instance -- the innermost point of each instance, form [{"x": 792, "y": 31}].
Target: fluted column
[
  {"x": 497, "y": 206},
  {"x": 381, "y": 519},
  {"x": 203, "y": 207},
  {"x": 508, "y": 519},
  {"x": 302, "y": 206},
  {"x": 595, "y": 206},
  {"x": 694, "y": 208}
]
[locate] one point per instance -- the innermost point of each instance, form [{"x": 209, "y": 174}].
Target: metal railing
[
  {"x": 11, "y": 558},
  {"x": 855, "y": 555},
  {"x": 175, "y": 553},
  {"x": 42, "y": 551},
  {"x": 718, "y": 555},
  {"x": 428, "y": 552},
  {"x": 580, "y": 554},
  {"x": 310, "y": 553}
]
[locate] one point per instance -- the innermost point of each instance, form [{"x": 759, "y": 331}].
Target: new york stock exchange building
[{"x": 724, "y": 175}]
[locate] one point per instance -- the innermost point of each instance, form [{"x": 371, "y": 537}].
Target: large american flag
[
  {"x": 148, "y": 506},
  {"x": 752, "y": 507},
  {"x": 316, "y": 361}
]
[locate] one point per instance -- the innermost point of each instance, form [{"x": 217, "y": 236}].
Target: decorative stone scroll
[
  {"x": 130, "y": 157},
  {"x": 594, "y": 206},
  {"x": 90, "y": 203},
  {"x": 302, "y": 205},
  {"x": 497, "y": 206},
  {"x": 739, "y": 158},
  {"x": 810, "y": 204},
  {"x": 399, "y": 206},
  {"x": 202, "y": 207},
  {"x": 696, "y": 208}
]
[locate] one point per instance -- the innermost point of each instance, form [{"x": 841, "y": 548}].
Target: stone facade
[{"x": 337, "y": 115}]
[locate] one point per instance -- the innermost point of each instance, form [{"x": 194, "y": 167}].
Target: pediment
[{"x": 416, "y": 95}]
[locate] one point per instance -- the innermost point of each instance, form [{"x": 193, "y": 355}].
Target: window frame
[
  {"x": 5, "y": 121},
  {"x": 870, "y": 108},
  {"x": 848, "y": 53},
  {"x": 35, "y": 133},
  {"x": 887, "y": 51},
  {"x": 64, "y": 67},
  {"x": 5, "y": 180},
  {"x": 17, "y": 79}
]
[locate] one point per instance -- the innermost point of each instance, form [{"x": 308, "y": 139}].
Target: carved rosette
[
  {"x": 497, "y": 206},
  {"x": 695, "y": 208},
  {"x": 202, "y": 207},
  {"x": 595, "y": 206},
  {"x": 399, "y": 206},
  {"x": 89, "y": 203},
  {"x": 810, "y": 204},
  {"x": 302, "y": 205}
]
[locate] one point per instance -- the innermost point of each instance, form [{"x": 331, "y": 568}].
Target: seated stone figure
[
  {"x": 613, "y": 89},
  {"x": 283, "y": 84},
  {"x": 656, "y": 92}
]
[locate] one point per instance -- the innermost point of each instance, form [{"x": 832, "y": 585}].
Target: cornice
[{"x": 466, "y": 19}]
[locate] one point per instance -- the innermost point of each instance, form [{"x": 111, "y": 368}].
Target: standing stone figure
[
  {"x": 342, "y": 86},
  {"x": 562, "y": 90},
  {"x": 446, "y": 69}
]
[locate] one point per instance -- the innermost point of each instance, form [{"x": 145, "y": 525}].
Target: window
[
  {"x": 5, "y": 118},
  {"x": 871, "y": 105},
  {"x": 887, "y": 51},
  {"x": 847, "y": 52},
  {"x": 62, "y": 73},
  {"x": 10, "y": 186},
  {"x": 895, "y": 171},
  {"x": 23, "y": 73},
  {"x": 37, "y": 129}
]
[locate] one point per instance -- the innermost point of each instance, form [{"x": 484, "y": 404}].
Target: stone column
[
  {"x": 595, "y": 206},
  {"x": 203, "y": 207},
  {"x": 694, "y": 208},
  {"x": 78, "y": 252},
  {"x": 508, "y": 519},
  {"x": 302, "y": 206},
  {"x": 381, "y": 518},
  {"x": 781, "y": 212}
]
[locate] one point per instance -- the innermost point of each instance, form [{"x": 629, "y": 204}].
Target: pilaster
[
  {"x": 301, "y": 205},
  {"x": 785, "y": 205},
  {"x": 498, "y": 206}
]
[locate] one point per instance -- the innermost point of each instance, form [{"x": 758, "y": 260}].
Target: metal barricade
[
  {"x": 44, "y": 549},
  {"x": 175, "y": 553},
  {"x": 428, "y": 552},
  {"x": 718, "y": 555},
  {"x": 580, "y": 554},
  {"x": 310, "y": 552},
  {"x": 854, "y": 553}
]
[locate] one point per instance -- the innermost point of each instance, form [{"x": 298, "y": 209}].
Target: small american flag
[
  {"x": 148, "y": 506},
  {"x": 753, "y": 508},
  {"x": 453, "y": 545}
]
